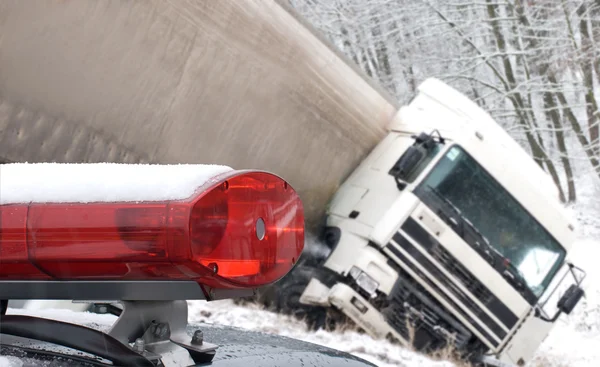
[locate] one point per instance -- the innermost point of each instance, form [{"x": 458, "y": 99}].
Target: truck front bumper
[{"x": 353, "y": 305}]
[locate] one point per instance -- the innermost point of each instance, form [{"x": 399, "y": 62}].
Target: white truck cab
[{"x": 449, "y": 232}]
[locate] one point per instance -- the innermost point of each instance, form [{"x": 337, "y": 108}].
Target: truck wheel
[{"x": 288, "y": 303}]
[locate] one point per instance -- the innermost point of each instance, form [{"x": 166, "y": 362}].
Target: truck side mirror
[
  {"x": 569, "y": 300},
  {"x": 407, "y": 162}
]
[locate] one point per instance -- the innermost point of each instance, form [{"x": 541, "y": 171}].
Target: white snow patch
[
  {"x": 10, "y": 361},
  {"x": 92, "y": 320},
  {"x": 44, "y": 304},
  {"x": 575, "y": 339},
  {"x": 101, "y": 182}
]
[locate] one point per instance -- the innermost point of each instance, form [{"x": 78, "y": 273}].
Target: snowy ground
[
  {"x": 573, "y": 343},
  {"x": 379, "y": 352},
  {"x": 575, "y": 340}
]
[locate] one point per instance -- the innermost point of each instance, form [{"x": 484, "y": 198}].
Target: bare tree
[{"x": 533, "y": 65}]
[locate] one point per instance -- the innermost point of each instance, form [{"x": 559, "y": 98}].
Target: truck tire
[
  {"x": 288, "y": 302},
  {"x": 287, "y": 298}
]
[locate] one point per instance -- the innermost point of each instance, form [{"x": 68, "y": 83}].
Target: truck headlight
[
  {"x": 364, "y": 281},
  {"x": 355, "y": 272}
]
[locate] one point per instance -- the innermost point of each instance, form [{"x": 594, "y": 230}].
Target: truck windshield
[{"x": 509, "y": 228}]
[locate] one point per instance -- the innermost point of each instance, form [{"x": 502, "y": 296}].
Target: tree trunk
[
  {"x": 552, "y": 112},
  {"x": 535, "y": 142},
  {"x": 587, "y": 67}
]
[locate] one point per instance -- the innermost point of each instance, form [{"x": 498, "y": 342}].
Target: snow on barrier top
[{"x": 101, "y": 182}]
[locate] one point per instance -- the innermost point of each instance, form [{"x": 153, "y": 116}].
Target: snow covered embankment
[
  {"x": 379, "y": 352},
  {"x": 574, "y": 341}
]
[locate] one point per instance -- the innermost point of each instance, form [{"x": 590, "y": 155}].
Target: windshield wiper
[
  {"x": 509, "y": 270},
  {"x": 464, "y": 220}
]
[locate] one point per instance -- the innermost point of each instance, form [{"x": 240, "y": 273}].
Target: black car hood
[{"x": 237, "y": 348}]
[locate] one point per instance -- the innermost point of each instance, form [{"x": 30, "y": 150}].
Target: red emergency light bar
[{"x": 244, "y": 229}]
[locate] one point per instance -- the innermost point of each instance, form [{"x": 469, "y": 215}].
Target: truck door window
[{"x": 481, "y": 201}]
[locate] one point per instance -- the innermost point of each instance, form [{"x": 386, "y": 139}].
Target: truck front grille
[
  {"x": 436, "y": 288},
  {"x": 464, "y": 276},
  {"x": 455, "y": 268},
  {"x": 409, "y": 304}
]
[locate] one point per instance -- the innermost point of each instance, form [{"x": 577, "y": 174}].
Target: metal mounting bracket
[{"x": 157, "y": 330}]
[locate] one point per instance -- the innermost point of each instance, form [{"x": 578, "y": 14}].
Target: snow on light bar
[{"x": 220, "y": 227}]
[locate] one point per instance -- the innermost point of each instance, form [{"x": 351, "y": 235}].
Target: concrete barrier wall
[{"x": 241, "y": 83}]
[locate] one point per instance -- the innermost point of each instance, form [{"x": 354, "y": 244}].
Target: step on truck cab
[{"x": 449, "y": 233}]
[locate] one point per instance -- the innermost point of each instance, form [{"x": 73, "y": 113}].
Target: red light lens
[
  {"x": 225, "y": 225},
  {"x": 246, "y": 230}
]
